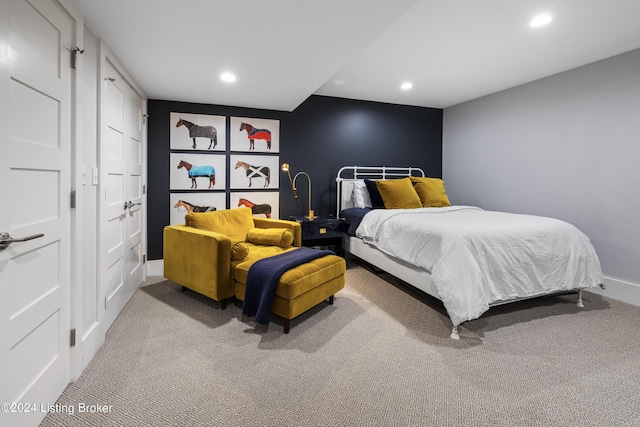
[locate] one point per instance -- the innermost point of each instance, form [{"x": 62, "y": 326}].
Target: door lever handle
[
  {"x": 6, "y": 239},
  {"x": 130, "y": 204}
]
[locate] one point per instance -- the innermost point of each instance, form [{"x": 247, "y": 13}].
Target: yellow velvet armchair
[{"x": 202, "y": 254}]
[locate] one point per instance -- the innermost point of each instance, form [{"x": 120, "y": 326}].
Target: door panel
[
  {"x": 27, "y": 103},
  {"x": 35, "y": 141},
  {"x": 121, "y": 213},
  {"x": 43, "y": 205},
  {"x": 36, "y": 34}
]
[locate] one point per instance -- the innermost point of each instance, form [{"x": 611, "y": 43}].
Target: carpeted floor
[{"x": 380, "y": 356}]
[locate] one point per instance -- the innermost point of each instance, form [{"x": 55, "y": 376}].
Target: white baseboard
[
  {"x": 155, "y": 268},
  {"x": 619, "y": 290}
]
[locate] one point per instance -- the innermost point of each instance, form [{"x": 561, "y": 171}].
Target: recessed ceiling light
[
  {"x": 540, "y": 20},
  {"x": 406, "y": 86},
  {"x": 227, "y": 77}
]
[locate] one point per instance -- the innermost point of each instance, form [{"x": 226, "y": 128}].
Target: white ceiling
[{"x": 283, "y": 51}]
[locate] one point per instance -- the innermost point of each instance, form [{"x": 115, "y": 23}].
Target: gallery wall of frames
[{"x": 221, "y": 162}]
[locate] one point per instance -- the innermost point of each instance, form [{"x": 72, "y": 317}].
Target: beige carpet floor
[{"x": 380, "y": 356}]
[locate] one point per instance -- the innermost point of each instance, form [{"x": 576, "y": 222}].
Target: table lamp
[{"x": 285, "y": 168}]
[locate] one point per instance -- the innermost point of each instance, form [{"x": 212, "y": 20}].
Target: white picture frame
[{"x": 180, "y": 179}]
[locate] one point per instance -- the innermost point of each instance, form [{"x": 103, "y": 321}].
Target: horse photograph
[
  {"x": 256, "y": 209},
  {"x": 196, "y": 131},
  {"x": 255, "y": 172},
  {"x": 187, "y": 207},
  {"x": 193, "y": 131},
  {"x": 199, "y": 172},
  {"x": 255, "y": 135},
  {"x": 191, "y": 171},
  {"x": 194, "y": 202}
]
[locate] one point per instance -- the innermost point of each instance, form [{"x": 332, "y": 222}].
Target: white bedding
[{"x": 479, "y": 257}]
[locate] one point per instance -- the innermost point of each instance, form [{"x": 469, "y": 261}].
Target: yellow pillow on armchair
[
  {"x": 239, "y": 251},
  {"x": 270, "y": 237},
  {"x": 431, "y": 191},
  {"x": 398, "y": 194}
]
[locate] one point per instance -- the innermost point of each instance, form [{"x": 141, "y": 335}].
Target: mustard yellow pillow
[
  {"x": 234, "y": 223},
  {"x": 239, "y": 251},
  {"x": 398, "y": 194},
  {"x": 270, "y": 237},
  {"x": 431, "y": 191}
]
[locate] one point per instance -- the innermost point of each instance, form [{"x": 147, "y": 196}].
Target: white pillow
[{"x": 360, "y": 195}]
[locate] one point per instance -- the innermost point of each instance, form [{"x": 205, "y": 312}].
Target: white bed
[{"x": 468, "y": 258}]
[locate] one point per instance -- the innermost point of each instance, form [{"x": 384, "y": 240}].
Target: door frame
[{"x": 76, "y": 219}]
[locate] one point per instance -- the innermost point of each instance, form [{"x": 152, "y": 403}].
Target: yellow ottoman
[{"x": 300, "y": 288}]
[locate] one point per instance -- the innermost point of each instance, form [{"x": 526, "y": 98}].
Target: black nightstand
[{"x": 322, "y": 232}]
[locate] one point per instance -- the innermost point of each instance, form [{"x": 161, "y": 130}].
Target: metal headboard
[{"x": 347, "y": 175}]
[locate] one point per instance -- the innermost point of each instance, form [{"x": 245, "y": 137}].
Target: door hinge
[
  {"x": 73, "y": 199},
  {"x": 144, "y": 119},
  {"x": 72, "y": 338},
  {"x": 144, "y": 259},
  {"x": 74, "y": 56},
  {"x": 144, "y": 189}
]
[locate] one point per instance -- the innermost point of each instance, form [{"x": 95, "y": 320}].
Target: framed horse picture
[
  {"x": 197, "y": 171},
  {"x": 197, "y": 132},
  {"x": 184, "y": 203},
  {"x": 255, "y": 135},
  {"x": 254, "y": 172},
  {"x": 264, "y": 204}
]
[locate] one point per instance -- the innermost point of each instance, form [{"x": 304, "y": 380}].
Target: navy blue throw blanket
[{"x": 263, "y": 278}]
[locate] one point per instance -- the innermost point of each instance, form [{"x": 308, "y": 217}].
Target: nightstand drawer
[{"x": 321, "y": 229}]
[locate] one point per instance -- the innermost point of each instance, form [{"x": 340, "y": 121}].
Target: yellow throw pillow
[
  {"x": 270, "y": 237},
  {"x": 398, "y": 194},
  {"x": 234, "y": 223},
  {"x": 431, "y": 191},
  {"x": 239, "y": 251}
]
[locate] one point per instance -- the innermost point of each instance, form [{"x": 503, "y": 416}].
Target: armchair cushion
[
  {"x": 234, "y": 223},
  {"x": 270, "y": 236}
]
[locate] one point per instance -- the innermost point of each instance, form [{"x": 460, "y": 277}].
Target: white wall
[{"x": 566, "y": 146}]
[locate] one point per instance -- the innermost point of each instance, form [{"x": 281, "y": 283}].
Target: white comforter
[{"x": 479, "y": 257}]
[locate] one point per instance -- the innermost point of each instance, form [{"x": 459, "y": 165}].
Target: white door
[
  {"x": 121, "y": 190},
  {"x": 35, "y": 145}
]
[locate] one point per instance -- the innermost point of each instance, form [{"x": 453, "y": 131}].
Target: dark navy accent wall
[
  {"x": 319, "y": 137},
  {"x": 324, "y": 133}
]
